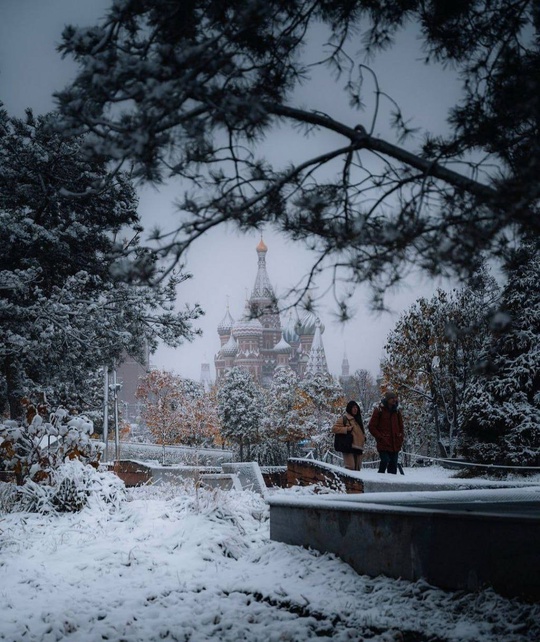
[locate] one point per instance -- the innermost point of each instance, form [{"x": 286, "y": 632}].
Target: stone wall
[{"x": 306, "y": 472}]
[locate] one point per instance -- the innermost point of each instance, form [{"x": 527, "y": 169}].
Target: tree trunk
[{"x": 14, "y": 389}]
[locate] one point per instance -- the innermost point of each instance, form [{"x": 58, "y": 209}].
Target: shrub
[
  {"x": 34, "y": 451},
  {"x": 73, "y": 485}
]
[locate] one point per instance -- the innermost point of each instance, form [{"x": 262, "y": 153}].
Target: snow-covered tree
[
  {"x": 283, "y": 427},
  {"x": 68, "y": 300},
  {"x": 430, "y": 358},
  {"x": 501, "y": 412},
  {"x": 177, "y": 410},
  {"x": 240, "y": 410},
  {"x": 196, "y": 90},
  {"x": 323, "y": 401},
  {"x": 159, "y": 392},
  {"x": 199, "y": 421},
  {"x": 364, "y": 390}
]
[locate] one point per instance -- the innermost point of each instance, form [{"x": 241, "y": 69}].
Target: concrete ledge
[
  {"x": 230, "y": 476},
  {"x": 307, "y": 472},
  {"x": 132, "y": 473},
  {"x": 248, "y": 473},
  {"x": 135, "y": 473},
  {"x": 224, "y": 481},
  {"x": 411, "y": 536}
]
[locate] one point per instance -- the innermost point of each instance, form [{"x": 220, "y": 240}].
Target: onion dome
[
  {"x": 308, "y": 323},
  {"x": 230, "y": 349},
  {"x": 247, "y": 326},
  {"x": 289, "y": 332},
  {"x": 282, "y": 347},
  {"x": 262, "y": 246},
  {"x": 226, "y": 323}
]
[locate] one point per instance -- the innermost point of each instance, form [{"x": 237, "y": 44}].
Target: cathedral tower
[{"x": 259, "y": 343}]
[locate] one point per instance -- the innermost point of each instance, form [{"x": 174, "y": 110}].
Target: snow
[{"x": 175, "y": 563}]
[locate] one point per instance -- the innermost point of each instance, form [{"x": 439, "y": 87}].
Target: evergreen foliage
[
  {"x": 69, "y": 301},
  {"x": 284, "y": 407},
  {"x": 501, "y": 411},
  {"x": 324, "y": 401},
  {"x": 240, "y": 410},
  {"x": 431, "y": 355}
]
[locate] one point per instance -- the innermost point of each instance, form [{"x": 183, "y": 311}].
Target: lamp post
[
  {"x": 116, "y": 387},
  {"x": 106, "y": 410}
]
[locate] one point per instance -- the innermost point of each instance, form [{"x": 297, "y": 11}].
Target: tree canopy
[
  {"x": 196, "y": 90},
  {"x": 240, "y": 409},
  {"x": 431, "y": 356},
  {"x": 67, "y": 305}
]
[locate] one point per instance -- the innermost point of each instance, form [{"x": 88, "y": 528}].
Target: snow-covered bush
[
  {"x": 33, "y": 452},
  {"x": 8, "y": 496},
  {"x": 73, "y": 485}
]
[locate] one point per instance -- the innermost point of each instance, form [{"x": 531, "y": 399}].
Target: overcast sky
[{"x": 224, "y": 263}]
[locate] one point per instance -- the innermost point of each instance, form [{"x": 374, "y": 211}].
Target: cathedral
[{"x": 259, "y": 342}]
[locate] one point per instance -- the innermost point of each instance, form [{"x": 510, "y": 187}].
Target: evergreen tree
[
  {"x": 324, "y": 400},
  {"x": 196, "y": 90},
  {"x": 502, "y": 406},
  {"x": 283, "y": 424},
  {"x": 68, "y": 301},
  {"x": 240, "y": 410},
  {"x": 431, "y": 355}
]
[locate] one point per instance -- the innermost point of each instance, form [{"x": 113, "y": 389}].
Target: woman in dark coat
[{"x": 386, "y": 425}]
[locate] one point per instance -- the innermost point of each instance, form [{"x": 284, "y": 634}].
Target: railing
[
  {"x": 458, "y": 463},
  {"x": 331, "y": 457},
  {"x": 171, "y": 454}
]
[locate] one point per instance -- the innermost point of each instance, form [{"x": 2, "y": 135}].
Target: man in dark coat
[{"x": 386, "y": 425}]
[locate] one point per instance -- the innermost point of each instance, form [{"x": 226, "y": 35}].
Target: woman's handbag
[{"x": 342, "y": 441}]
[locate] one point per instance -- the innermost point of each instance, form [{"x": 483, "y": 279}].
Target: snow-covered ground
[{"x": 175, "y": 564}]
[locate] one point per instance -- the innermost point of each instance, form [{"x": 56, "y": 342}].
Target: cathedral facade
[{"x": 260, "y": 342}]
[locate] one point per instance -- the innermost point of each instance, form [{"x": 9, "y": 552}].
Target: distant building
[
  {"x": 206, "y": 378},
  {"x": 259, "y": 342},
  {"x": 128, "y": 375},
  {"x": 347, "y": 380}
]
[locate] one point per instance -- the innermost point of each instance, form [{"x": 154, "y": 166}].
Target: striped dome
[
  {"x": 289, "y": 333},
  {"x": 247, "y": 326},
  {"x": 308, "y": 323},
  {"x": 230, "y": 349}
]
